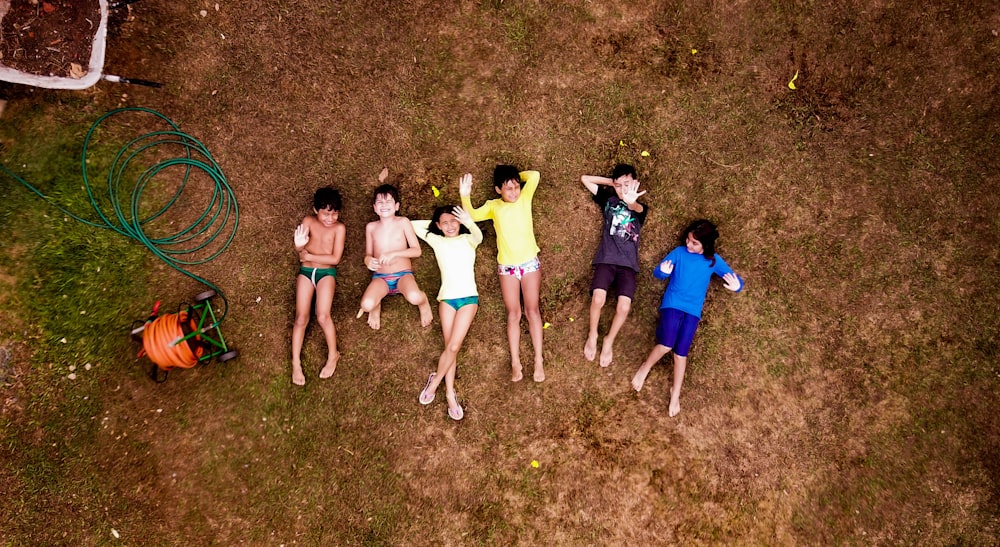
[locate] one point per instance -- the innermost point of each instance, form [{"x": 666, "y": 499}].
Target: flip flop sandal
[
  {"x": 423, "y": 394},
  {"x": 456, "y": 413}
]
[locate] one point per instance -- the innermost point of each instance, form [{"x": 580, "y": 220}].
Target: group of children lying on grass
[{"x": 392, "y": 241}]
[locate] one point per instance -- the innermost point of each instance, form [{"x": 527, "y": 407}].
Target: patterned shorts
[{"x": 518, "y": 270}]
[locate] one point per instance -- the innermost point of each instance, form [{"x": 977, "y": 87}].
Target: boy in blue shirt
[{"x": 689, "y": 268}]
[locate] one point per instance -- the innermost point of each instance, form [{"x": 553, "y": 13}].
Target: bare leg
[
  {"x": 413, "y": 294},
  {"x": 596, "y": 304},
  {"x": 621, "y": 313},
  {"x": 531, "y": 285},
  {"x": 680, "y": 365},
  {"x": 371, "y": 302},
  {"x": 325, "y": 290},
  {"x": 659, "y": 350},
  {"x": 510, "y": 288},
  {"x": 455, "y": 326},
  {"x": 303, "y": 301}
]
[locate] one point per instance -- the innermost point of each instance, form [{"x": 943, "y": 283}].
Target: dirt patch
[{"x": 48, "y": 37}]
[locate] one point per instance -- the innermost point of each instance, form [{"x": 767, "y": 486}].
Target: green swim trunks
[{"x": 316, "y": 274}]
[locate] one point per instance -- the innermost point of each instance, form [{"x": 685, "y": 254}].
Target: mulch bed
[{"x": 47, "y": 37}]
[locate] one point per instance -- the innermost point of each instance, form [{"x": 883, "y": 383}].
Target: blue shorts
[
  {"x": 457, "y": 303},
  {"x": 676, "y": 330},
  {"x": 392, "y": 279}
]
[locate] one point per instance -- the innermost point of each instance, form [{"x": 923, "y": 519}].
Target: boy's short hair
[
  {"x": 386, "y": 190},
  {"x": 503, "y": 173},
  {"x": 327, "y": 198},
  {"x": 623, "y": 169}
]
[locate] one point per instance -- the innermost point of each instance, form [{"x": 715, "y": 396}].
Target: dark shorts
[
  {"x": 676, "y": 330},
  {"x": 622, "y": 277}
]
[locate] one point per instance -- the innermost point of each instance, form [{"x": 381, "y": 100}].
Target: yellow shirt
[{"x": 512, "y": 222}]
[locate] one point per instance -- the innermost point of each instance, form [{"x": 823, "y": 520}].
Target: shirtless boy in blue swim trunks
[
  {"x": 319, "y": 240},
  {"x": 390, "y": 243}
]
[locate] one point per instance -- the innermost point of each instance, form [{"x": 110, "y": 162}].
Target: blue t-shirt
[{"x": 689, "y": 280}]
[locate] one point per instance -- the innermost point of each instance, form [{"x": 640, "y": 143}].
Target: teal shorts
[{"x": 457, "y": 303}]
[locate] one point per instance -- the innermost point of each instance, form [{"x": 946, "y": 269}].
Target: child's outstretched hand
[
  {"x": 372, "y": 263},
  {"x": 465, "y": 185},
  {"x": 731, "y": 282},
  {"x": 667, "y": 266},
  {"x": 301, "y": 237},
  {"x": 462, "y": 215},
  {"x": 630, "y": 192}
]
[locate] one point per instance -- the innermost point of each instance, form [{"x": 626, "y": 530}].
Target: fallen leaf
[
  {"x": 791, "y": 84},
  {"x": 76, "y": 71},
  {"x": 437, "y": 193},
  {"x": 47, "y": 7},
  {"x": 645, "y": 153}
]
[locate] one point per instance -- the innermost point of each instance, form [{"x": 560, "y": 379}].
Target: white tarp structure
[{"x": 93, "y": 74}]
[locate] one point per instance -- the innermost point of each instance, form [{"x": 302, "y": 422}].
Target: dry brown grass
[{"x": 844, "y": 397}]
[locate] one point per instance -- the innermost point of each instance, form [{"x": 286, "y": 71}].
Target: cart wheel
[
  {"x": 207, "y": 295},
  {"x": 228, "y": 356}
]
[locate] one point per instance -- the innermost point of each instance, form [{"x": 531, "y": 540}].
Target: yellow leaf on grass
[
  {"x": 791, "y": 84},
  {"x": 437, "y": 193}
]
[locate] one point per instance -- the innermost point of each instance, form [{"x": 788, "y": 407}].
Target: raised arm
[
  {"x": 463, "y": 216},
  {"x": 592, "y": 182},
  {"x": 420, "y": 227},
  {"x": 465, "y": 191}
]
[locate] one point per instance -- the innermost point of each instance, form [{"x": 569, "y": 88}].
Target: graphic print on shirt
[{"x": 623, "y": 224}]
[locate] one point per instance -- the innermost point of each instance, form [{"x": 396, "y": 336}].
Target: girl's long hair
[
  {"x": 432, "y": 228},
  {"x": 706, "y": 233}
]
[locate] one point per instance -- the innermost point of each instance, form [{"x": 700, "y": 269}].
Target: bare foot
[
  {"x": 539, "y": 375},
  {"x": 374, "y": 317},
  {"x": 675, "y": 406},
  {"x": 331, "y": 366},
  {"x": 515, "y": 372},
  {"x": 639, "y": 379},
  {"x": 590, "y": 348},
  {"x": 607, "y": 353},
  {"x": 298, "y": 378},
  {"x": 426, "y": 316},
  {"x": 384, "y": 174}
]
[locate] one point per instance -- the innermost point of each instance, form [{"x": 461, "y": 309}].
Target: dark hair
[
  {"x": 706, "y": 233},
  {"x": 503, "y": 173},
  {"x": 623, "y": 169},
  {"x": 327, "y": 198},
  {"x": 386, "y": 190},
  {"x": 432, "y": 228}
]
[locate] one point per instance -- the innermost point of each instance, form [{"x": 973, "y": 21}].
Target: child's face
[
  {"x": 510, "y": 191},
  {"x": 449, "y": 225},
  {"x": 619, "y": 183},
  {"x": 327, "y": 217},
  {"x": 385, "y": 206},
  {"x": 693, "y": 245}
]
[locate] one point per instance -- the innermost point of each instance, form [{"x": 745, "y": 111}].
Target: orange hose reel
[{"x": 162, "y": 341}]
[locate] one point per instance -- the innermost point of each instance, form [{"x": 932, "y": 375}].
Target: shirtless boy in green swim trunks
[
  {"x": 319, "y": 240},
  {"x": 390, "y": 243}
]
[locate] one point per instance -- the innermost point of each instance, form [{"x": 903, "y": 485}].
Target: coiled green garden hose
[{"x": 219, "y": 218}]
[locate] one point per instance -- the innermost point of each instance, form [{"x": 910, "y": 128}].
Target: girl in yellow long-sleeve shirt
[{"x": 518, "y": 266}]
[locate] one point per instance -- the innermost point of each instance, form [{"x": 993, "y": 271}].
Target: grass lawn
[{"x": 846, "y": 396}]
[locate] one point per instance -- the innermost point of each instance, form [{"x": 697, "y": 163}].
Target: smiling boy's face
[
  {"x": 385, "y": 206},
  {"x": 327, "y": 217},
  {"x": 510, "y": 191}
]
